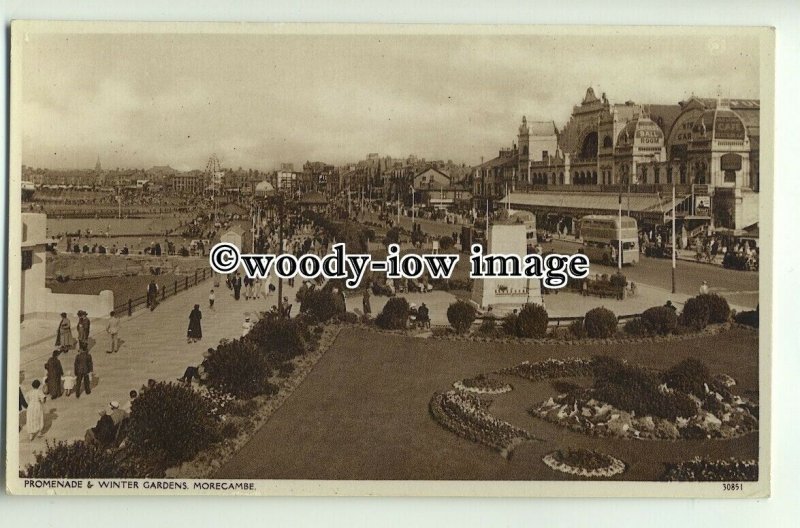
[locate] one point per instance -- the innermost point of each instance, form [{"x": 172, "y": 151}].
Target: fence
[{"x": 165, "y": 291}]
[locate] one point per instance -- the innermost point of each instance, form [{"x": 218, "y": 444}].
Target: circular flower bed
[
  {"x": 465, "y": 415},
  {"x": 481, "y": 384},
  {"x": 584, "y": 463},
  {"x": 701, "y": 469}
]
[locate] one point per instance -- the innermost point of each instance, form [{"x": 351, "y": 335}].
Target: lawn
[{"x": 362, "y": 413}]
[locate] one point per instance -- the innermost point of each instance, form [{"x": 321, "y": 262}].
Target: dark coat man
[{"x": 83, "y": 367}]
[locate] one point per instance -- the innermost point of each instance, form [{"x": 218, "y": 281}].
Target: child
[
  {"x": 69, "y": 382},
  {"x": 211, "y": 298}
]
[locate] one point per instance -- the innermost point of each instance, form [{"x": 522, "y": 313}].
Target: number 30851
[{"x": 733, "y": 486}]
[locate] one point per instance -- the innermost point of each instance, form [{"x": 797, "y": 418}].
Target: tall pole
[
  {"x": 674, "y": 247},
  {"x": 619, "y": 232},
  {"x": 280, "y": 252}
]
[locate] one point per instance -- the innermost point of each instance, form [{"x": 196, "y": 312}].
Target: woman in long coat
[
  {"x": 64, "y": 338},
  {"x": 34, "y": 421},
  {"x": 54, "y": 373},
  {"x": 195, "y": 332}
]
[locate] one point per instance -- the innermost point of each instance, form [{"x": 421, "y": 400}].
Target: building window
[
  {"x": 730, "y": 176},
  {"x": 544, "y": 155},
  {"x": 27, "y": 260},
  {"x": 525, "y": 150},
  {"x": 657, "y": 175}
]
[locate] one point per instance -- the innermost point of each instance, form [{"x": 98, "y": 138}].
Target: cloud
[{"x": 258, "y": 100}]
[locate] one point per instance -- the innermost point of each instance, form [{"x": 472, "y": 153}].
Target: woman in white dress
[{"x": 35, "y": 415}]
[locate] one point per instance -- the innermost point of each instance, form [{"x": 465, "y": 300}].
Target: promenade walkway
[{"x": 153, "y": 346}]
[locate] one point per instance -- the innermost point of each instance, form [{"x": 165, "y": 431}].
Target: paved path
[{"x": 153, "y": 346}]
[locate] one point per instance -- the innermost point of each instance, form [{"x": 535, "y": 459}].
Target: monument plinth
[{"x": 511, "y": 234}]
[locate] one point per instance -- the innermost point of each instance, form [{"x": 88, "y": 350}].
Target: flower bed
[
  {"x": 552, "y": 368},
  {"x": 701, "y": 469},
  {"x": 481, "y": 384},
  {"x": 584, "y": 463},
  {"x": 465, "y": 415},
  {"x": 629, "y": 402}
]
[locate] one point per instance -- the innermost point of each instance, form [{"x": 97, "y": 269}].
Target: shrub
[
  {"x": 417, "y": 237},
  {"x": 446, "y": 243},
  {"x": 280, "y": 339},
  {"x": 688, "y": 376},
  {"x": 510, "y": 323},
  {"x": 77, "y": 460},
  {"x": 638, "y": 327},
  {"x": 600, "y": 322},
  {"x": 229, "y": 430},
  {"x": 239, "y": 368},
  {"x": 577, "y": 330},
  {"x": 394, "y": 315},
  {"x": 489, "y": 328},
  {"x": 172, "y": 423},
  {"x": 286, "y": 369},
  {"x": 718, "y": 309},
  {"x": 532, "y": 321},
  {"x": 323, "y": 304},
  {"x": 461, "y": 315},
  {"x": 618, "y": 281},
  {"x": 749, "y": 318},
  {"x": 662, "y": 320},
  {"x": 696, "y": 314},
  {"x": 347, "y": 318},
  {"x": 392, "y": 236}
]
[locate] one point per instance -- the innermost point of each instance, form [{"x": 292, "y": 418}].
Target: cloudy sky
[{"x": 258, "y": 100}]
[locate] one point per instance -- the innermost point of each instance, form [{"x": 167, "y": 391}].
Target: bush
[
  {"x": 749, "y": 318},
  {"x": 347, "y": 318},
  {"x": 417, "y": 237},
  {"x": 718, "y": 309},
  {"x": 323, "y": 304},
  {"x": 239, "y": 368},
  {"x": 696, "y": 314},
  {"x": 600, "y": 322},
  {"x": 489, "y": 328},
  {"x": 77, "y": 460},
  {"x": 638, "y": 327},
  {"x": 446, "y": 243},
  {"x": 532, "y": 321},
  {"x": 461, "y": 315},
  {"x": 394, "y": 315},
  {"x": 618, "y": 281},
  {"x": 286, "y": 369},
  {"x": 662, "y": 320},
  {"x": 689, "y": 376},
  {"x": 577, "y": 330},
  {"x": 172, "y": 423},
  {"x": 280, "y": 339},
  {"x": 510, "y": 324},
  {"x": 392, "y": 236}
]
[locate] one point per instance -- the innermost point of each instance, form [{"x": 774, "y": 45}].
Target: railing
[
  {"x": 636, "y": 188},
  {"x": 166, "y": 291}
]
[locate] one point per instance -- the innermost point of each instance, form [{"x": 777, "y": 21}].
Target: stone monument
[{"x": 510, "y": 234}]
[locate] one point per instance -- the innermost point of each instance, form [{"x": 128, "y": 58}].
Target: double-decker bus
[{"x": 601, "y": 236}]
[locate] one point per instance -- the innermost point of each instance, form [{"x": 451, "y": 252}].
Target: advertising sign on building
[
  {"x": 730, "y": 161},
  {"x": 702, "y": 205}
]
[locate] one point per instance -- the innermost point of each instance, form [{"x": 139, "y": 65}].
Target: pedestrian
[
  {"x": 83, "y": 369},
  {"x": 195, "y": 331},
  {"x": 54, "y": 373},
  {"x": 247, "y": 325},
  {"x": 83, "y": 327},
  {"x": 112, "y": 327},
  {"x": 237, "y": 286},
  {"x": 152, "y": 294},
  {"x": 211, "y": 298},
  {"x": 34, "y": 420},
  {"x": 704, "y": 288},
  {"x": 64, "y": 338},
  {"x": 365, "y": 302},
  {"x": 69, "y": 383}
]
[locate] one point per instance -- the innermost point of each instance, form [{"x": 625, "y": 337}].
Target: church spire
[{"x": 97, "y": 166}]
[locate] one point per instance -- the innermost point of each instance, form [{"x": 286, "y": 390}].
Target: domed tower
[{"x": 639, "y": 148}]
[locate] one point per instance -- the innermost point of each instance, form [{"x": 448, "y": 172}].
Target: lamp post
[{"x": 674, "y": 247}]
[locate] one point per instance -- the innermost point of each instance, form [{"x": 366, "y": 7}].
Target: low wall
[{"x": 48, "y": 305}]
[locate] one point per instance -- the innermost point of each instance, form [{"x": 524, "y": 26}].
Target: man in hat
[
  {"x": 83, "y": 368},
  {"x": 103, "y": 432},
  {"x": 83, "y": 327},
  {"x": 113, "y": 330}
]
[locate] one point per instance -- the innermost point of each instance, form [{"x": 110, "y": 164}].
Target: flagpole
[{"x": 619, "y": 231}]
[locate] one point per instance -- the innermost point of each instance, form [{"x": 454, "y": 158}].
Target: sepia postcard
[{"x": 403, "y": 260}]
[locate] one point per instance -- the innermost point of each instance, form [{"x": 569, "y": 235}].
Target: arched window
[
  {"x": 561, "y": 178},
  {"x": 594, "y": 177},
  {"x": 657, "y": 175},
  {"x": 607, "y": 142},
  {"x": 589, "y": 147}
]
